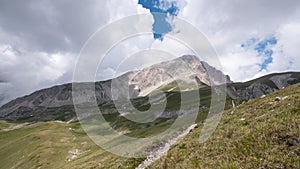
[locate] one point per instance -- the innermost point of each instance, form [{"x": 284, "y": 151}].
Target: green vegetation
[
  {"x": 59, "y": 144},
  {"x": 262, "y": 133},
  {"x": 42, "y": 114},
  {"x": 53, "y": 145}
]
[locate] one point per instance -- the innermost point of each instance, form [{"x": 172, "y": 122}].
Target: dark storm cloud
[{"x": 50, "y": 26}]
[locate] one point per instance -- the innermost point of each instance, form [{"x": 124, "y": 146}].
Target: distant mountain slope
[
  {"x": 263, "y": 85},
  {"x": 186, "y": 68}
]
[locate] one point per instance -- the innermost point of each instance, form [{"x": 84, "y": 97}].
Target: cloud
[
  {"x": 51, "y": 26},
  {"x": 40, "y": 40},
  {"x": 228, "y": 24},
  {"x": 25, "y": 71},
  {"x": 286, "y": 52}
]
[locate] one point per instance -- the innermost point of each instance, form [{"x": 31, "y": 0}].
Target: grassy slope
[
  {"x": 47, "y": 145},
  {"x": 260, "y": 141}
]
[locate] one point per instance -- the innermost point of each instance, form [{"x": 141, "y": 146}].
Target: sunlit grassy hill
[{"x": 261, "y": 133}]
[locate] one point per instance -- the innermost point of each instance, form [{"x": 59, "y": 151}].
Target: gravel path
[{"x": 153, "y": 156}]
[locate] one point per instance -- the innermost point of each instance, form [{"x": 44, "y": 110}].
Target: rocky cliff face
[
  {"x": 283, "y": 80},
  {"x": 129, "y": 85},
  {"x": 187, "y": 68},
  {"x": 253, "y": 91},
  {"x": 263, "y": 86}
]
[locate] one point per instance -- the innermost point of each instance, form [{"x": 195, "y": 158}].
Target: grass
[
  {"x": 30, "y": 143},
  {"x": 48, "y": 145},
  {"x": 257, "y": 134}
]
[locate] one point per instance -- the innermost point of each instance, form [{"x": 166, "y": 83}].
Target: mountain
[
  {"x": 263, "y": 85},
  {"x": 140, "y": 83},
  {"x": 56, "y": 103}
]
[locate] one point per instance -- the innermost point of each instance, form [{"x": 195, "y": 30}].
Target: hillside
[
  {"x": 261, "y": 133},
  {"x": 258, "y": 133},
  {"x": 57, "y": 144}
]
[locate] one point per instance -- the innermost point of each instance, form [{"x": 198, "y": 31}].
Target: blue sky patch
[
  {"x": 263, "y": 45},
  {"x": 160, "y": 26},
  {"x": 263, "y": 48}
]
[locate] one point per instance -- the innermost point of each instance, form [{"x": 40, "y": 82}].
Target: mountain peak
[{"x": 188, "y": 68}]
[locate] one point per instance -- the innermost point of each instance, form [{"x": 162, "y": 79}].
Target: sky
[{"x": 40, "y": 40}]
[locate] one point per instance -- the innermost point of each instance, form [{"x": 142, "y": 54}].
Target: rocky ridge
[{"x": 263, "y": 86}]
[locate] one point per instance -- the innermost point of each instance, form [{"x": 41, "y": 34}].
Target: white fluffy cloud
[
  {"x": 228, "y": 24},
  {"x": 287, "y": 51}
]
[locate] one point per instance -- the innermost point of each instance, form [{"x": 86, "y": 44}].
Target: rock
[
  {"x": 283, "y": 80},
  {"x": 73, "y": 154},
  {"x": 263, "y": 96},
  {"x": 255, "y": 90},
  {"x": 233, "y": 104},
  {"x": 262, "y": 86},
  {"x": 280, "y": 98}
]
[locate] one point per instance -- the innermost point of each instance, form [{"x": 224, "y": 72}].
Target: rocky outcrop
[
  {"x": 215, "y": 75},
  {"x": 262, "y": 86},
  {"x": 253, "y": 91},
  {"x": 284, "y": 80}
]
